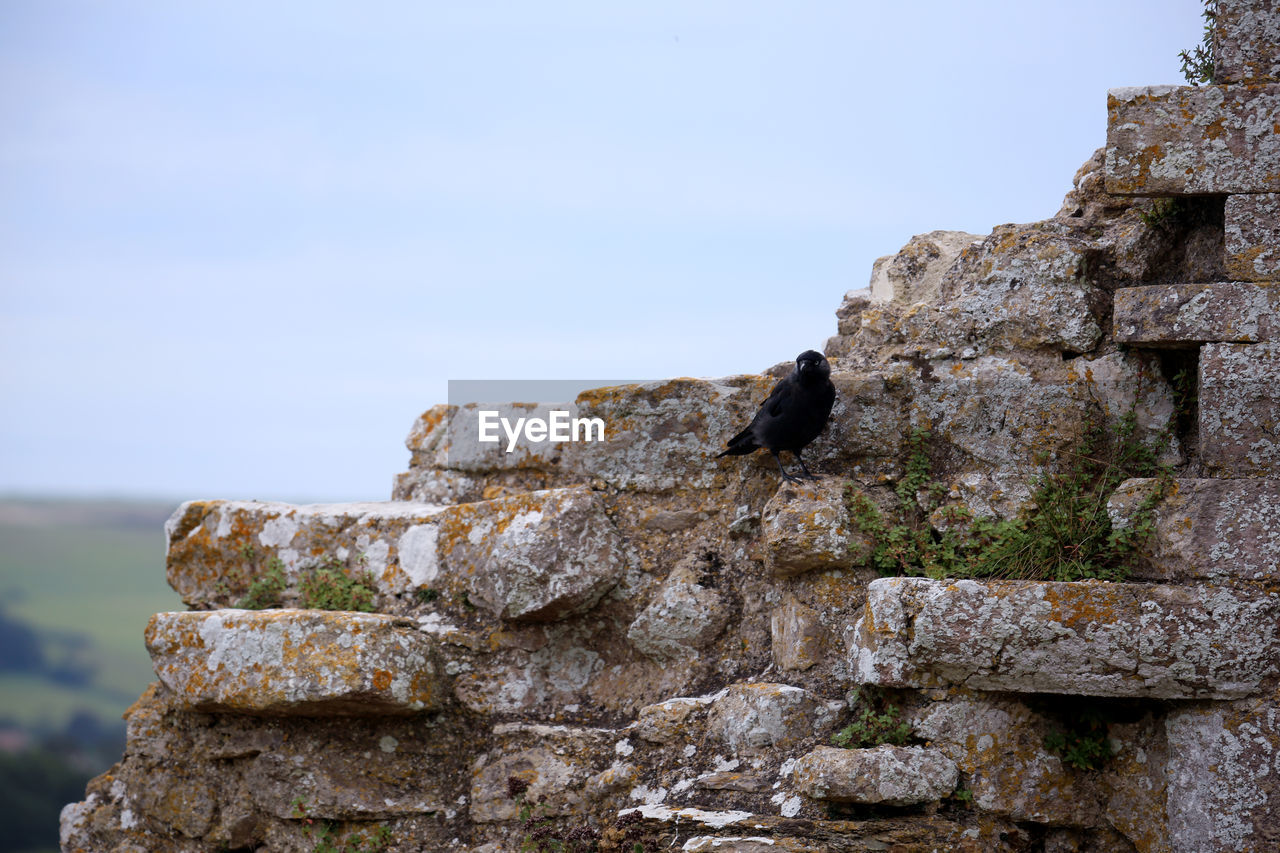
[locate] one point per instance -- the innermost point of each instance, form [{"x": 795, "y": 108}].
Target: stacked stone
[{"x": 638, "y": 631}]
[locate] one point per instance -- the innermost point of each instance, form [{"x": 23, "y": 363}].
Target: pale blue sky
[{"x": 244, "y": 244}]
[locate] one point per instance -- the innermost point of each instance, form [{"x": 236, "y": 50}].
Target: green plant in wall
[
  {"x": 329, "y": 587},
  {"x": 266, "y": 590},
  {"x": 1197, "y": 63},
  {"x": 328, "y": 839},
  {"x": 1064, "y": 534},
  {"x": 1083, "y": 743},
  {"x": 875, "y": 722}
]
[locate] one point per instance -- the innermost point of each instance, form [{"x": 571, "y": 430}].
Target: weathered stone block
[
  {"x": 557, "y": 763},
  {"x": 1206, "y": 529},
  {"x": 1089, "y": 639},
  {"x": 886, "y": 775},
  {"x": 1177, "y": 140},
  {"x": 302, "y": 662},
  {"x": 807, "y": 528},
  {"x": 798, "y": 638},
  {"x": 663, "y": 435},
  {"x": 757, "y": 718},
  {"x": 539, "y": 556},
  {"x": 216, "y": 548},
  {"x": 915, "y": 273},
  {"x": 1023, "y": 287},
  {"x": 1240, "y": 409},
  {"x": 1224, "y": 782},
  {"x": 1247, "y": 41},
  {"x": 998, "y": 742},
  {"x": 1252, "y": 237},
  {"x": 1189, "y": 314},
  {"x": 682, "y": 617}
]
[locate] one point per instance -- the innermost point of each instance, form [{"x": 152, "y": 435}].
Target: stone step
[
  {"x": 1186, "y": 315},
  {"x": 1088, "y": 638},
  {"x": 1219, "y": 530},
  {"x": 1189, "y": 140},
  {"x": 1239, "y": 400},
  {"x": 300, "y": 662},
  {"x": 537, "y": 556}
]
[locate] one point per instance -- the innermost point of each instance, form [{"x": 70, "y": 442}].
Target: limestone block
[
  {"x": 998, "y": 742},
  {"x": 758, "y": 718},
  {"x": 798, "y": 638},
  {"x": 1135, "y": 779},
  {"x": 665, "y": 435},
  {"x": 882, "y": 775},
  {"x": 1188, "y": 314},
  {"x": 665, "y": 722},
  {"x": 1206, "y": 529},
  {"x": 1176, "y": 140},
  {"x": 915, "y": 273},
  {"x": 1088, "y": 638},
  {"x": 216, "y": 548},
  {"x": 302, "y": 662},
  {"x": 1247, "y": 41},
  {"x": 1023, "y": 287},
  {"x": 557, "y": 763},
  {"x": 807, "y": 527},
  {"x": 540, "y": 556},
  {"x": 1224, "y": 779},
  {"x": 682, "y": 617},
  {"x": 1252, "y": 238},
  {"x": 1240, "y": 409},
  {"x": 356, "y": 773}
]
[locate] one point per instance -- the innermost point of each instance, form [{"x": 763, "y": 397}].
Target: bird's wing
[{"x": 778, "y": 399}]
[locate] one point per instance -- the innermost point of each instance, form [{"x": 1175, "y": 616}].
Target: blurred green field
[{"x": 93, "y": 568}]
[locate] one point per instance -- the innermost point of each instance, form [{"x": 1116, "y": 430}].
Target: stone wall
[{"x": 639, "y": 643}]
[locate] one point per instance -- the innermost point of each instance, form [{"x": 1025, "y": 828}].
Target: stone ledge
[
  {"x": 1220, "y": 530},
  {"x": 1190, "y": 314},
  {"x": 1089, "y": 639},
  {"x": 297, "y": 662},
  {"x": 882, "y": 775},
  {"x": 1187, "y": 140},
  {"x": 1240, "y": 409},
  {"x": 538, "y": 556}
]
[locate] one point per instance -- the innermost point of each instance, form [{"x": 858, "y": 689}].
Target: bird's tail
[{"x": 740, "y": 445}]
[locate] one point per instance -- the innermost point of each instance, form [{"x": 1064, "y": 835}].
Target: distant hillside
[{"x": 78, "y": 581}]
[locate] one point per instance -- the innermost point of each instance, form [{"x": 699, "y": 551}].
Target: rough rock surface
[
  {"x": 1240, "y": 409},
  {"x": 1247, "y": 41},
  {"x": 296, "y": 662},
  {"x": 1252, "y": 238},
  {"x": 1217, "y": 530},
  {"x": 1170, "y": 140},
  {"x": 892, "y": 775},
  {"x": 1188, "y": 314},
  {"x": 1087, "y": 639}
]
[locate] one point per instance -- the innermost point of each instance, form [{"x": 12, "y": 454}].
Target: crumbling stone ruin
[{"x": 631, "y": 645}]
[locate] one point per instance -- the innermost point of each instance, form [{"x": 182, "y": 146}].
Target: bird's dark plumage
[{"x": 793, "y": 415}]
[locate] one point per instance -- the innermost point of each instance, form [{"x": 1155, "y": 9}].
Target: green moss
[{"x": 266, "y": 590}]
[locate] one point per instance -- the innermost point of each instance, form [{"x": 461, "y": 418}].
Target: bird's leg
[
  {"x": 783, "y": 469},
  {"x": 805, "y": 468}
]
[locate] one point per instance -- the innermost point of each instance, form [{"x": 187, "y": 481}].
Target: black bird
[{"x": 795, "y": 412}]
